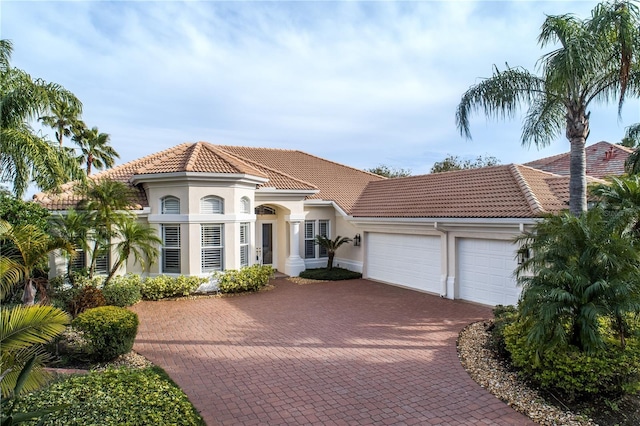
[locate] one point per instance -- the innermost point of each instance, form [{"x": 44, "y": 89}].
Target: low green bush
[
  {"x": 503, "y": 315},
  {"x": 610, "y": 371},
  {"x": 163, "y": 286},
  {"x": 334, "y": 274},
  {"x": 251, "y": 278},
  {"x": 115, "y": 397},
  {"x": 123, "y": 290},
  {"x": 109, "y": 329}
]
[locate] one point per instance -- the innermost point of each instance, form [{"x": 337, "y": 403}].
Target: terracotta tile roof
[
  {"x": 507, "y": 191},
  {"x": 285, "y": 169},
  {"x": 603, "y": 159},
  {"x": 336, "y": 182}
]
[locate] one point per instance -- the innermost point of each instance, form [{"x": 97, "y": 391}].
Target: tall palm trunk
[{"x": 577, "y": 133}]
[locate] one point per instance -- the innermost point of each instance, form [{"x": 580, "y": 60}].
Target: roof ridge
[
  {"x": 160, "y": 156},
  {"x": 529, "y": 195},
  {"x": 192, "y": 157},
  {"x": 229, "y": 157},
  {"x": 342, "y": 165},
  {"x": 250, "y": 162}
]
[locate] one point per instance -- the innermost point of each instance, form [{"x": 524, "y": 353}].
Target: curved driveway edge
[{"x": 337, "y": 353}]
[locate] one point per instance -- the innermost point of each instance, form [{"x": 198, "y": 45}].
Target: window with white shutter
[
  {"x": 245, "y": 205},
  {"x": 211, "y": 205},
  {"x": 244, "y": 244},
  {"x": 323, "y": 229},
  {"x": 211, "y": 237},
  {"x": 309, "y": 239},
  {"x": 170, "y": 205},
  {"x": 171, "y": 248}
]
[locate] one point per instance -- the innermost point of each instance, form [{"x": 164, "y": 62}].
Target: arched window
[
  {"x": 265, "y": 210},
  {"x": 170, "y": 205},
  {"x": 211, "y": 205},
  {"x": 245, "y": 205}
]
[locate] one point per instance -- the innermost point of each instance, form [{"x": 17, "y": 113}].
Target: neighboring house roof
[
  {"x": 507, "y": 191},
  {"x": 603, "y": 159},
  {"x": 284, "y": 169}
]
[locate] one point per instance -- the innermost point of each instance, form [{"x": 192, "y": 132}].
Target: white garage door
[
  {"x": 485, "y": 271},
  {"x": 407, "y": 260}
]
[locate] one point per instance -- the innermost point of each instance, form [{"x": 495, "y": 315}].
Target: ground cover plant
[
  {"x": 114, "y": 397},
  {"x": 333, "y": 274}
]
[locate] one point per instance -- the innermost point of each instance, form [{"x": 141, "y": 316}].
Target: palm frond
[
  {"x": 24, "y": 326},
  {"x": 498, "y": 96}
]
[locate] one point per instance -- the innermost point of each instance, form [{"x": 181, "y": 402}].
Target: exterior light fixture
[
  {"x": 356, "y": 240},
  {"x": 523, "y": 255}
]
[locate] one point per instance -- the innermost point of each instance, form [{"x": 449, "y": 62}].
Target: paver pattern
[{"x": 335, "y": 353}]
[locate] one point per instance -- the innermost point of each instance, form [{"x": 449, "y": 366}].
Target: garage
[
  {"x": 485, "y": 271},
  {"x": 408, "y": 260}
]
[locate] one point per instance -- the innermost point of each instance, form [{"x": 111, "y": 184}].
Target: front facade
[
  {"x": 219, "y": 207},
  {"x": 224, "y": 207}
]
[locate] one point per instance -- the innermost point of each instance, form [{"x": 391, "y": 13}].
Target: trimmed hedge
[
  {"x": 251, "y": 278},
  {"x": 163, "y": 286},
  {"x": 110, "y": 331},
  {"x": 334, "y": 274},
  {"x": 115, "y": 397}
]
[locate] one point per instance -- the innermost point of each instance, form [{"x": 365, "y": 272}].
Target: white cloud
[{"x": 362, "y": 83}]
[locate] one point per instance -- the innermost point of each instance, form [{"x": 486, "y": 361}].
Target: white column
[{"x": 294, "y": 263}]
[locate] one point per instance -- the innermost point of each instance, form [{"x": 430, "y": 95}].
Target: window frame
[
  {"x": 211, "y": 209},
  {"x": 245, "y": 229},
  {"x": 208, "y": 251},
  {"x": 163, "y": 205},
  {"x": 174, "y": 250}
]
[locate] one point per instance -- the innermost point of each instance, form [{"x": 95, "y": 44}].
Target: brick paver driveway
[{"x": 344, "y": 353}]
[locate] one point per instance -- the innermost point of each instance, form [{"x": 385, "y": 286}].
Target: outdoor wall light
[
  {"x": 356, "y": 240},
  {"x": 523, "y": 255}
]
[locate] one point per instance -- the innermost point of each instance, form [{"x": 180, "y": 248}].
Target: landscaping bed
[{"x": 502, "y": 380}]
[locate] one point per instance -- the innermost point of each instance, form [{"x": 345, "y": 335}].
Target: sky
[{"x": 360, "y": 83}]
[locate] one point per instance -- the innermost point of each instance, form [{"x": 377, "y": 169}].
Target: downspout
[{"x": 444, "y": 248}]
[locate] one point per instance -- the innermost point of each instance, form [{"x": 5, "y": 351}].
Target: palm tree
[
  {"x": 64, "y": 117},
  {"x": 95, "y": 148},
  {"x": 581, "y": 269},
  {"x": 137, "y": 239},
  {"x": 23, "y": 330},
  {"x": 29, "y": 247},
  {"x": 24, "y": 155},
  {"x": 72, "y": 227},
  {"x": 331, "y": 246},
  {"x": 632, "y": 140},
  {"x": 107, "y": 202},
  {"x": 598, "y": 60},
  {"x": 620, "y": 199}
]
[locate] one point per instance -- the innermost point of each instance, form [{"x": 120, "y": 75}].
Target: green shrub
[
  {"x": 163, "y": 286},
  {"x": 123, "y": 290},
  {"x": 334, "y": 274},
  {"x": 611, "y": 371},
  {"x": 109, "y": 329},
  {"x": 251, "y": 278},
  {"x": 502, "y": 317},
  {"x": 115, "y": 397},
  {"x": 86, "y": 298}
]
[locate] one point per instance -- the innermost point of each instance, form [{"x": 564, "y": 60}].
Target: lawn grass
[
  {"x": 122, "y": 396},
  {"x": 334, "y": 274}
]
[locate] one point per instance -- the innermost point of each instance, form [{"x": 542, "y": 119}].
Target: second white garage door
[
  {"x": 407, "y": 260},
  {"x": 485, "y": 271}
]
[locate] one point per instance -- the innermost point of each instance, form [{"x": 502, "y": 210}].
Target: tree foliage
[
  {"x": 581, "y": 269},
  {"x": 595, "y": 60},
  {"x": 95, "y": 149},
  {"x": 453, "y": 162},
  {"x": 18, "y": 212},
  {"x": 389, "y": 172},
  {"x": 26, "y": 156}
]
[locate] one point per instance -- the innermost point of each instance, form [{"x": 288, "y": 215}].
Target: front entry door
[{"x": 267, "y": 243}]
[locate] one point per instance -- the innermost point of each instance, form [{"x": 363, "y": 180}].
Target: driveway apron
[{"x": 334, "y": 353}]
